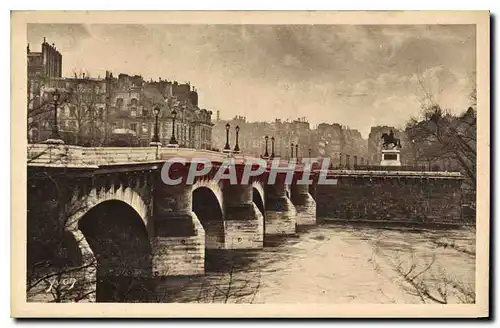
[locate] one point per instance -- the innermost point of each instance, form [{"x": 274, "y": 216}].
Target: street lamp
[
  {"x": 227, "y": 148},
  {"x": 309, "y": 150},
  {"x": 272, "y": 147},
  {"x": 291, "y": 150},
  {"x": 173, "y": 141},
  {"x": 297, "y": 150},
  {"x": 266, "y": 155},
  {"x": 156, "y": 138},
  {"x": 237, "y": 147},
  {"x": 55, "y": 131},
  {"x": 414, "y": 152}
]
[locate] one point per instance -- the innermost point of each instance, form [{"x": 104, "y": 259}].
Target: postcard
[{"x": 250, "y": 164}]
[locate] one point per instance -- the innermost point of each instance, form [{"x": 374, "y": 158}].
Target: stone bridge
[
  {"x": 121, "y": 219},
  {"x": 118, "y": 210}
]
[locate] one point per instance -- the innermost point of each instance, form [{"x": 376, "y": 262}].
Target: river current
[{"x": 337, "y": 263}]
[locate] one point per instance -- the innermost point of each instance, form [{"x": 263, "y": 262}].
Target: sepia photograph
[{"x": 325, "y": 162}]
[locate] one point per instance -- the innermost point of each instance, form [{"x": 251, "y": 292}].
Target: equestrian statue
[{"x": 390, "y": 139}]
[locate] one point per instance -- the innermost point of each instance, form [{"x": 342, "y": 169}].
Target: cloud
[{"x": 356, "y": 75}]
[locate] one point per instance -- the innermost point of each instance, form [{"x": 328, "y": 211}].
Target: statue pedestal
[{"x": 391, "y": 157}]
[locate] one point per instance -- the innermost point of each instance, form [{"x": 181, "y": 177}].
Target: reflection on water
[{"x": 333, "y": 263}]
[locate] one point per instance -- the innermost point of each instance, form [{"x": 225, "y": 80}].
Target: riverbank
[{"x": 397, "y": 223}]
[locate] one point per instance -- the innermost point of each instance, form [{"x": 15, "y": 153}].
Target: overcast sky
[{"x": 354, "y": 75}]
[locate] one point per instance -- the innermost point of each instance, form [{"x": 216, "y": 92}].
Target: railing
[
  {"x": 390, "y": 168},
  {"x": 392, "y": 173},
  {"x": 87, "y": 157}
]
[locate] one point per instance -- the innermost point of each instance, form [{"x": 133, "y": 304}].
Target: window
[
  {"x": 133, "y": 102},
  {"x": 119, "y": 103},
  {"x": 144, "y": 112},
  {"x": 133, "y": 127},
  {"x": 100, "y": 112},
  {"x": 144, "y": 128},
  {"x": 133, "y": 113},
  {"x": 72, "y": 111}
]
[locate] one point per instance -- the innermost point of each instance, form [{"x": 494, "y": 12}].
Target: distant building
[
  {"x": 132, "y": 107},
  {"x": 110, "y": 110},
  {"x": 327, "y": 140},
  {"x": 344, "y": 146},
  {"x": 46, "y": 63}
]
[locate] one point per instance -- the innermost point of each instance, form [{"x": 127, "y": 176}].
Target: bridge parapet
[
  {"x": 88, "y": 157},
  {"x": 406, "y": 174},
  {"x": 76, "y": 156}
]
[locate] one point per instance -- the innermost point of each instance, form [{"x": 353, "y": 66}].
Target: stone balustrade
[{"x": 87, "y": 157}]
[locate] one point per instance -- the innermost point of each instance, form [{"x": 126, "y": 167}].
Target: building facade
[
  {"x": 116, "y": 111},
  {"x": 327, "y": 140}
]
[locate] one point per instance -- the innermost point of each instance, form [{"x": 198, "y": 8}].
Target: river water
[{"x": 337, "y": 263}]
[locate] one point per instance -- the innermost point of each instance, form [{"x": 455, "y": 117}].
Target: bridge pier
[
  {"x": 178, "y": 244},
  {"x": 280, "y": 215},
  {"x": 304, "y": 204},
  {"x": 244, "y": 223}
]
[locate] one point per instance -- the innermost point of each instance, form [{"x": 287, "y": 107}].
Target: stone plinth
[{"x": 391, "y": 157}]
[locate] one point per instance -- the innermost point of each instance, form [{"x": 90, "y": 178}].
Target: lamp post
[
  {"x": 156, "y": 138},
  {"x": 291, "y": 150},
  {"x": 237, "y": 147},
  {"x": 272, "y": 147},
  {"x": 173, "y": 141},
  {"x": 414, "y": 152},
  {"x": 266, "y": 154},
  {"x": 309, "y": 150},
  {"x": 340, "y": 160},
  {"x": 54, "y": 137},
  {"x": 227, "y": 148},
  {"x": 297, "y": 150}
]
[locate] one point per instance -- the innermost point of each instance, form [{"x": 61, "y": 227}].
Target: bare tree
[
  {"x": 419, "y": 276},
  {"x": 231, "y": 286},
  {"x": 60, "y": 266},
  {"x": 440, "y": 135},
  {"x": 88, "y": 119}
]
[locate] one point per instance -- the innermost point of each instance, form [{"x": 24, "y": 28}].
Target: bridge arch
[
  {"x": 258, "y": 196},
  {"x": 117, "y": 236},
  {"x": 215, "y": 188},
  {"x": 97, "y": 196},
  {"x": 208, "y": 209}
]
